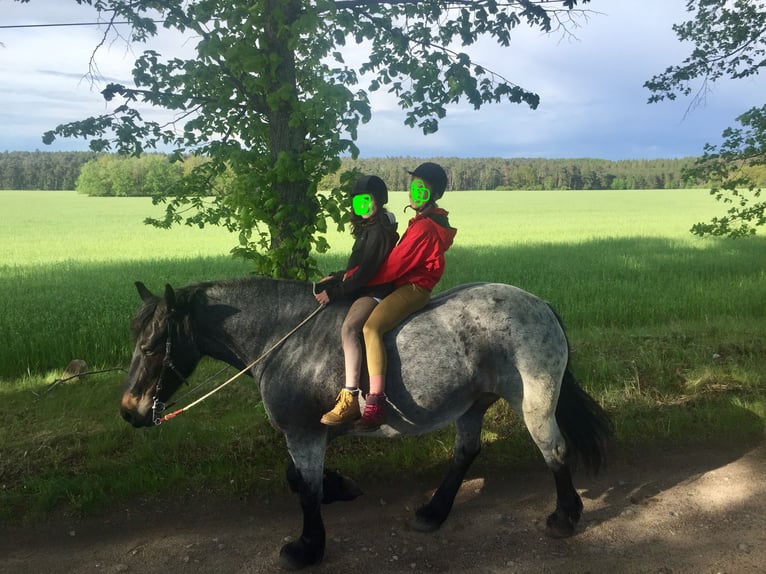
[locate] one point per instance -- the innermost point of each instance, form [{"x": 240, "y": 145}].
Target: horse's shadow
[
  {"x": 503, "y": 505},
  {"x": 638, "y": 474},
  {"x": 630, "y": 478}
]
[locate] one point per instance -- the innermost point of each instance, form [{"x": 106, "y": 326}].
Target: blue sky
[{"x": 592, "y": 100}]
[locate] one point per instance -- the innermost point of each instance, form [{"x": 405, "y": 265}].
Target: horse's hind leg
[
  {"x": 431, "y": 515},
  {"x": 539, "y": 416},
  {"x": 561, "y": 523}
]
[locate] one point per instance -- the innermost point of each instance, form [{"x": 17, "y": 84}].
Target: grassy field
[{"x": 668, "y": 331}]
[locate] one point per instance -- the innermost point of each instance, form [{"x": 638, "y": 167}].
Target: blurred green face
[
  {"x": 419, "y": 192},
  {"x": 363, "y": 204}
]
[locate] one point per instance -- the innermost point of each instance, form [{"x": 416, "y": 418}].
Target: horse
[{"x": 469, "y": 347}]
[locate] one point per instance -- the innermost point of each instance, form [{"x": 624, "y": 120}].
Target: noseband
[{"x": 158, "y": 407}]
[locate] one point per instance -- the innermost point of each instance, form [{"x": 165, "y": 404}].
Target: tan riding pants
[{"x": 388, "y": 314}]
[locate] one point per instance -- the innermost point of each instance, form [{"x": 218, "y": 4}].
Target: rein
[{"x": 158, "y": 407}]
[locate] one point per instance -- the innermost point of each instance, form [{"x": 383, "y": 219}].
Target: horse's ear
[
  {"x": 143, "y": 292},
  {"x": 170, "y": 297}
]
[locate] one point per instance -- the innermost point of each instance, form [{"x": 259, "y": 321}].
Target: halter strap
[{"x": 158, "y": 407}]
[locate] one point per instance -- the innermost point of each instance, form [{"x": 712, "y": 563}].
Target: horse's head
[{"x": 164, "y": 355}]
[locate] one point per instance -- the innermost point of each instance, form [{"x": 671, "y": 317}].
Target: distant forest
[
  {"x": 41, "y": 170},
  {"x": 61, "y": 171},
  {"x": 533, "y": 173}
]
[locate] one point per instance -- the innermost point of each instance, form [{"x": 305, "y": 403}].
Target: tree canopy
[
  {"x": 269, "y": 96},
  {"x": 729, "y": 41}
]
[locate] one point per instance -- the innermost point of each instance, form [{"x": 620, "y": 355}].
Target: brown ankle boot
[
  {"x": 346, "y": 409},
  {"x": 374, "y": 413}
]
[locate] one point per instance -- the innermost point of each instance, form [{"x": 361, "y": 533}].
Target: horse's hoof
[
  {"x": 297, "y": 555},
  {"x": 425, "y": 521},
  {"x": 560, "y": 526}
]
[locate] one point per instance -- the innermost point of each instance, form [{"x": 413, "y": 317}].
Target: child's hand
[{"x": 322, "y": 298}]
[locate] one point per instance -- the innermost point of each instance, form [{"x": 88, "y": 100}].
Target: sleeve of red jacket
[{"x": 409, "y": 253}]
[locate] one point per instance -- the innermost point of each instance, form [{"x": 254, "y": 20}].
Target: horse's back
[
  {"x": 491, "y": 309},
  {"x": 471, "y": 341}
]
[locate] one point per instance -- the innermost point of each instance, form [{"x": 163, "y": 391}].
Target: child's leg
[
  {"x": 388, "y": 314},
  {"x": 351, "y": 338},
  {"x": 346, "y": 409}
]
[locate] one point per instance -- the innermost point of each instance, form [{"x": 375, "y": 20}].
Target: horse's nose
[
  {"x": 129, "y": 409},
  {"x": 126, "y": 415}
]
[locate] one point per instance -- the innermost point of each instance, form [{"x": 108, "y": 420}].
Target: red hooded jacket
[{"x": 419, "y": 256}]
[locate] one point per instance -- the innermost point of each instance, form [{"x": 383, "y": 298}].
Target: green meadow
[{"x": 667, "y": 330}]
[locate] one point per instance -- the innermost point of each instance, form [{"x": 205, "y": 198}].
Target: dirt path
[{"x": 696, "y": 512}]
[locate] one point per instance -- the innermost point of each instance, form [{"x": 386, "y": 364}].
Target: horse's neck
[{"x": 244, "y": 319}]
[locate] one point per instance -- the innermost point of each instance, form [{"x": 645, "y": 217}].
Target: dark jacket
[
  {"x": 419, "y": 256},
  {"x": 375, "y": 239}
]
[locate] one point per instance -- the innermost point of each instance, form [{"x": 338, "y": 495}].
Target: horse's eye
[{"x": 146, "y": 351}]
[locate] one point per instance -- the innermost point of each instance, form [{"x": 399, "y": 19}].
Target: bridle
[{"x": 158, "y": 407}]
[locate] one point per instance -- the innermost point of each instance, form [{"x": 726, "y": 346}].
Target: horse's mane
[
  {"x": 245, "y": 288},
  {"x": 187, "y": 295},
  {"x": 247, "y": 282}
]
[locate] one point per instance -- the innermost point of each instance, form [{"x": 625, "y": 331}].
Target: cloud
[{"x": 593, "y": 103}]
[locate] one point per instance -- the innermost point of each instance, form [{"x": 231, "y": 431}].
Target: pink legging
[{"x": 388, "y": 314}]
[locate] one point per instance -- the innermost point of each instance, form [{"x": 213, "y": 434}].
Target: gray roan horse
[{"x": 472, "y": 345}]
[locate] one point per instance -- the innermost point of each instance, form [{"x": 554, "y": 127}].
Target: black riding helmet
[
  {"x": 373, "y": 185},
  {"x": 434, "y": 175}
]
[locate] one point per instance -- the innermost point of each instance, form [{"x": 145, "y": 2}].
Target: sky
[{"x": 593, "y": 103}]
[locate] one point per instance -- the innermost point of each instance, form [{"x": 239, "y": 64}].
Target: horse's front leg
[{"x": 307, "y": 455}]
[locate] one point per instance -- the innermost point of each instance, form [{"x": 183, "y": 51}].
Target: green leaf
[{"x": 267, "y": 103}]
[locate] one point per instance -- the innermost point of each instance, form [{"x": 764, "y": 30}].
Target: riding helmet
[
  {"x": 434, "y": 175},
  {"x": 373, "y": 185}
]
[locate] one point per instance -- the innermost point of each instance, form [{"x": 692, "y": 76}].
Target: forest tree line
[
  {"x": 533, "y": 173},
  {"x": 42, "y": 170},
  {"x": 112, "y": 175}
]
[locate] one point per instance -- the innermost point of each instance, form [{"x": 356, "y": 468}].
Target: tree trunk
[{"x": 287, "y": 142}]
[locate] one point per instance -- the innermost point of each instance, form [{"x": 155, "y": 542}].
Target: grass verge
[{"x": 667, "y": 331}]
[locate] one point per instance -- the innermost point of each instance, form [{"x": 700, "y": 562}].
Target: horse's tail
[{"x": 586, "y": 427}]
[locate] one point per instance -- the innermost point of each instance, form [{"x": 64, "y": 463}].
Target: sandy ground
[{"x": 702, "y": 511}]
